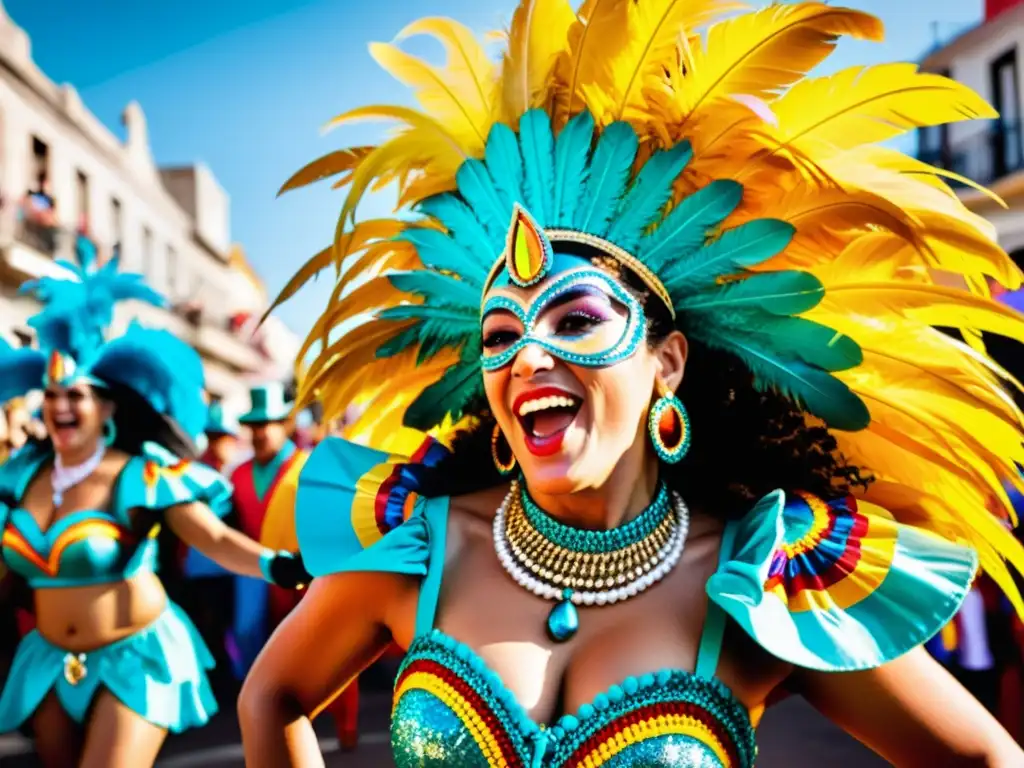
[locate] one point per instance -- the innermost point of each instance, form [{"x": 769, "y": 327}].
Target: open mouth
[
  {"x": 545, "y": 415},
  {"x": 65, "y": 423}
]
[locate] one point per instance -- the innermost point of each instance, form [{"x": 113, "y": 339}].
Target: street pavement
[{"x": 792, "y": 735}]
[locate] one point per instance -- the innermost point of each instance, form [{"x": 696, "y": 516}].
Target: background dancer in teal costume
[{"x": 112, "y": 665}]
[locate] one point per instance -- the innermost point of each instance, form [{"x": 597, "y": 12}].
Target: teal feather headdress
[
  {"x": 71, "y": 330},
  {"x": 78, "y": 310},
  {"x": 574, "y": 184},
  {"x": 841, "y": 314}
]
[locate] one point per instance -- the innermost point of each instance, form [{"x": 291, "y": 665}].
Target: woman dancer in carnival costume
[
  {"x": 674, "y": 292},
  {"x": 112, "y": 665}
]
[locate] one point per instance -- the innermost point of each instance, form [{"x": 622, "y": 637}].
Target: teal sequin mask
[{"x": 583, "y": 315}]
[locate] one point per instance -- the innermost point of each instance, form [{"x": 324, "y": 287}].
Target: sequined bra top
[
  {"x": 834, "y": 586},
  {"x": 98, "y": 546},
  {"x": 450, "y": 709}
]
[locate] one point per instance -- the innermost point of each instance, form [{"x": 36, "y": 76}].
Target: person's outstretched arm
[
  {"x": 338, "y": 629},
  {"x": 199, "y": 527}
]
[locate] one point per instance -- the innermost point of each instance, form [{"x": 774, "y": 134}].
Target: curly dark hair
[{"x": 746, "y": 443}]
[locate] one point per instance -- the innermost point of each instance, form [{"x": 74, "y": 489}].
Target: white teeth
[{"x": 543, "y": 403}]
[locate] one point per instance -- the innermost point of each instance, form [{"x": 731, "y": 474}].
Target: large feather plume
[
  {"x": 161, "y": 368},
  {"x": 783, "y": 231},
  {"x": 78, "y": 309},
  {"x": 21, "y": 370}
]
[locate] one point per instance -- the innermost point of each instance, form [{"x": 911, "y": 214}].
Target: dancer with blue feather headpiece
[{"x": 112, "y": 665}]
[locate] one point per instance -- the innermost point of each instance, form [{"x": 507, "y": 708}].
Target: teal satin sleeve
[
  {"x": 15, "y": 475},
  {"x": 159, "y": 480},
  {"x": 358, "y": 509},
  {"x": 838, "y": 585}
]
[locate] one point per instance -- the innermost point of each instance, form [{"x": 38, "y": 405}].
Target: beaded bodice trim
[{"x": 696, "y": 718}]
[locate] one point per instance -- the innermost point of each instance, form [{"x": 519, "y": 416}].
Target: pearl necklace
[
  {"x": 563, "y": 620},
  {"x": 62, "y": 478}
]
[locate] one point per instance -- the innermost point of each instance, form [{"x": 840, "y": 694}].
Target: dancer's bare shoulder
[
  {"x": 479, "y": 505},
  {"x": 471, "y": 516}
]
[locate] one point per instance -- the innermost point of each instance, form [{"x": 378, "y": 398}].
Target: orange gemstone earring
[
  {"x": 669, "y": 426},
  {"x": 501, "y": 453}
]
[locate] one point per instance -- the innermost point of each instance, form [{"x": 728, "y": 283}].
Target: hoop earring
[
  {"x": 669, "y": 426},
  {"x": 109, "y": 432},
  {"x": 501, "y": 453}
]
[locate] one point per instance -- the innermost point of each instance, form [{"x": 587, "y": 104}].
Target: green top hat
[
  {"x": 268, "y": 404},
  {"x": 217, "y": 424}
]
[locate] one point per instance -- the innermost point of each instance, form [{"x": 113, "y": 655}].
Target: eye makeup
[
  {"x": 583, "y": 317},
  {"x": 586, "y": 304},
  {"x": 500, "y": 328}
]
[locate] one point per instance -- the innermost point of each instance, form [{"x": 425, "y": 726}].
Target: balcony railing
[
  {"x": 211, "y": 331},
  {"x": 44, "y": 239},
  {"x": 985, "y": 157},
  {"x": 35, "y": 248}
]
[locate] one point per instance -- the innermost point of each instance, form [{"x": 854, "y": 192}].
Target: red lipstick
[{"x": 546, "y": 445}]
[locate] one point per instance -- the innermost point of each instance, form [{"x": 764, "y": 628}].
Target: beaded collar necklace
[
  {"x": 580, "y": 567},
  {"x": 64, "y": 478}
]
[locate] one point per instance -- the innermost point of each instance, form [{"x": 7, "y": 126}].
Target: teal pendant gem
[{"x": 564, "y": 619}]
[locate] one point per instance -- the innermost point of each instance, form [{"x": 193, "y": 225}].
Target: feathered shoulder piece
[{"x": 685, "y": 140}]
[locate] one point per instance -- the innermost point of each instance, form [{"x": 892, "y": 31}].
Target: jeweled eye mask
[{"x": 583, "y": 317}]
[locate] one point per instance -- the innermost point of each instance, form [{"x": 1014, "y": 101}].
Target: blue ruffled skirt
[{"x": 159, "y": 672}]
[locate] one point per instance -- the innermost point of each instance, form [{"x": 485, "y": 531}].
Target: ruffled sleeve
[
  {"x": 15, "y": 475},
  {"x": 158, "y": 480},
  {"x": 837, "y": 586},
  {"x": 358, "y": 509},
  {"x": 19, "y": 469},
  {"x": 12, "y": 472}
]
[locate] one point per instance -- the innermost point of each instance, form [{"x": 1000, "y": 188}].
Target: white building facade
[
  {"x": 987, "y": 58},
  {"x": 172, "y": 224}
]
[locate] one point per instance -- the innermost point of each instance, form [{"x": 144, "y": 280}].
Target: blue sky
[{"x": 245, "y": 85}]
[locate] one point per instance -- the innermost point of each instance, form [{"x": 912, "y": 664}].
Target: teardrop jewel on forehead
[
  {"x": 59, "y": 367},
  {"x": 528, "y": 252}
]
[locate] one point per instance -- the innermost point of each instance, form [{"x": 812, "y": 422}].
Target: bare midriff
[{"x": 82, "y": 619}]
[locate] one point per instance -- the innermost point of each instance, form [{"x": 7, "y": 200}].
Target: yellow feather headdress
[{"x": 871, "y": 228}]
